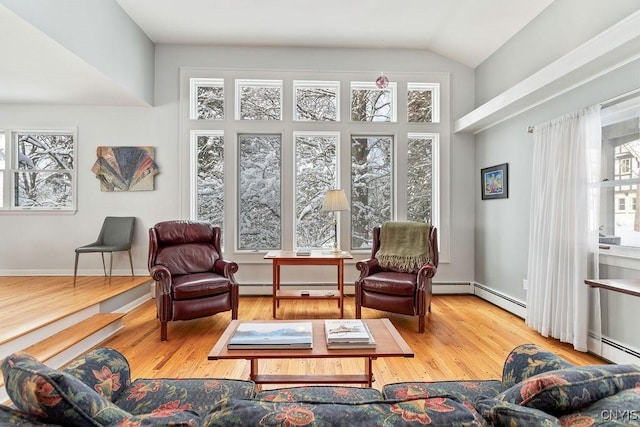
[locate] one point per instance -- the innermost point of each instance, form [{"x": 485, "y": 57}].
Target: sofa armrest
[
  {"x": 528, "y": 360},
  {"x": 162, "y": 276}
]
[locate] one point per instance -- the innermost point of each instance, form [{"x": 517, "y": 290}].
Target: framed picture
[{"x": 494, "y": 182}]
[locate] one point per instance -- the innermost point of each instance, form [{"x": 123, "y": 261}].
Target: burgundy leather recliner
[
  {"x": 393, "y": 291},
  {"x": 192, "y": 279}
]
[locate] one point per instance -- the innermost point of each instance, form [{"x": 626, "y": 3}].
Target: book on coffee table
[
  {"x": 272, "y": 335},
  {"x": 348, "y": 333}
]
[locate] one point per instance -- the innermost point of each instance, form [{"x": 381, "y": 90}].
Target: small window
[
  {"x": 625, "y": 166},
  {"x": 370, "y": 104},
  {"x": 423, "y": 102},
  {"x": 207, "y": 96},
  {"x": 316, "y": 101},
  {"x": 43, "y": 175},
  {"x": 621, "y": 204},
  {"x": 259, "y": 99}
]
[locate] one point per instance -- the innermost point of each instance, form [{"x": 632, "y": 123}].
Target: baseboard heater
[{"x": 620, "y": 347}]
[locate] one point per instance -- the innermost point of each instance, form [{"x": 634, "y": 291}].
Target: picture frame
[{"x": 494, "y": 182}]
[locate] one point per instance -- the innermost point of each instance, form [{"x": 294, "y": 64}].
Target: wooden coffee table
[{"x": 388, "y": 340}]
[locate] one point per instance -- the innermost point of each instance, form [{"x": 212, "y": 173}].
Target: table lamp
[{"x": 335, "y": 200}]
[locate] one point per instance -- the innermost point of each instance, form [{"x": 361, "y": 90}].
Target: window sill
[{"x": 620, "y": 256}]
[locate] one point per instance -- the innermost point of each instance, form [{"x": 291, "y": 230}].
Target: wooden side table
[{"x": 318, "y": 257}]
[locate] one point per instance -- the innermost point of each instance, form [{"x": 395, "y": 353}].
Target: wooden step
[
  {"x": 57, "y": 343},
  {"x": 65, "y": 339}
]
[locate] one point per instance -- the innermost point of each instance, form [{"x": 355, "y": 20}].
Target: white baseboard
[{"x": 512, "y": 305}]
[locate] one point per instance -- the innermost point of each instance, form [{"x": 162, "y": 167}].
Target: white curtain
[{"x": 563, "y": 232}]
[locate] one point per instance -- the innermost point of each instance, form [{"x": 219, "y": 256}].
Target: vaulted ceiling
[{"x": 467, "y": 31}]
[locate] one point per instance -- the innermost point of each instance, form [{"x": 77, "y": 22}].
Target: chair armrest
[
  {"x": 162, "y": 276},
  {"x": 427, "y": 271},
  {"x": 226, "y": 268},
  {"x": 367, "y": 267}
]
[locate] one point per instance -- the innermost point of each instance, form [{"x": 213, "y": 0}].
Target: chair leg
[
  {"x": 131, "y": 263},
  {"x": 163, "y": 331},
  {"x": 421, "y": 324},
  {"x": 110, "y": 266},
  {"x": 75, "y": 270},
  {"x": 104, "y": 268}
]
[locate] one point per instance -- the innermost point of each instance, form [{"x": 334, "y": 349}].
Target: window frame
[
  {"x": 346, "y": 127},
  {"x": 256, "y": 83},
  {"x": 311, "y": 84},
  {"x": 194, "y": 84},
  {"x": 11, "y": 168}
]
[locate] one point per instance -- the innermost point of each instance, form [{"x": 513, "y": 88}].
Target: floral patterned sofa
[{"x": 537, "y": 388}]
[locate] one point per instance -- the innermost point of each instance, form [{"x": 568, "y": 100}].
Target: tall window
[
  {"x": 259, "y": 210},
  {"x": 40, "y": 169},
  {"x": 420, "y": 174},
  {"x": 208, "y": 167},
  {"x": 270, "y": 163},
  {"x": 371, "y": 186},
  {"x": 620, "y": 221},
  {"x": 316, "y": 157}
]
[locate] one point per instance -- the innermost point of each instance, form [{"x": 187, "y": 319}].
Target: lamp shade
[{"x": 335, "y": 200}]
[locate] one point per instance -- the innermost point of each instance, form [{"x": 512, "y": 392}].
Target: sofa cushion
[
  {"x": 14, "y": 417},
  {"x": 418, "y": 412},
  {"x": 621, "y": 409},
  {"x": 505, "y": 414},
  {"x": 104, "y": 369},
  {"x": 194, "y": 394},
  {"x": 320, "y": 394},
  {"x": 465, "y": 391},
  {"x": 56, "y": 396},
  {"x": 567, "y": 390},
  {"x": 528, "y": 360}
]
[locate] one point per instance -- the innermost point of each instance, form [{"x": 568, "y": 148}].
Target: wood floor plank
[{"x": 465, "y": 338}]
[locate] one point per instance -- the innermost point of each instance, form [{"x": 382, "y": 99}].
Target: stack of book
[
  {"x": 271, "y": 336},
  {"x": 348, "y": 333}
]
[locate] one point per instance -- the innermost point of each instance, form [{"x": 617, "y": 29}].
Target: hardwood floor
[
  {"x": 29, "y": 303},
  {"x": 465, "y": 338}
]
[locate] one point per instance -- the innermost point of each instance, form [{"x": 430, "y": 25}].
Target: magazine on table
[
  {"x": 272, "y": 335},
  {"x": 349, "y": 331}
]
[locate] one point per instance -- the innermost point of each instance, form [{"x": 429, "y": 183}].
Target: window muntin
[
  {"x": 371, "y": 186},
  {"x": 316, "y": 101},
  {"x": 423, "y": 102},
  {"x": 370, "y": 104},
  {"x": 420, "y": 174},
  {"x": 208, "y": 165},
  {"x": 619, "y": 218},
  {"x": 207, "y": 99},
  {"x": 316, "y": 159},
  {"x": 43, "y": 172},
  {"x": 259, "y": 202},
  {"x": 258, "y": 99}
]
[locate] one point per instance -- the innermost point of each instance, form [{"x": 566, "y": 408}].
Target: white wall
[
  {"x": 44, "y": 244},
  {"x": 502, "y": 226}
]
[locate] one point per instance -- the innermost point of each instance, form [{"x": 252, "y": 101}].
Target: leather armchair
[
  {"x": 192, "y": 279},
  {"x": 398, "y": 292}
]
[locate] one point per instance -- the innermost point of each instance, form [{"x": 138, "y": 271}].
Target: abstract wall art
[{"x": 125, "y": 168}]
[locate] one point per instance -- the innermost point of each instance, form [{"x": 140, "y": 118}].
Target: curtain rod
[{"x": 603, "y": 104}]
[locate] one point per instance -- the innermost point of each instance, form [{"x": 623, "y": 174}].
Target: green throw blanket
[{"x": 404, "y": 245}]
